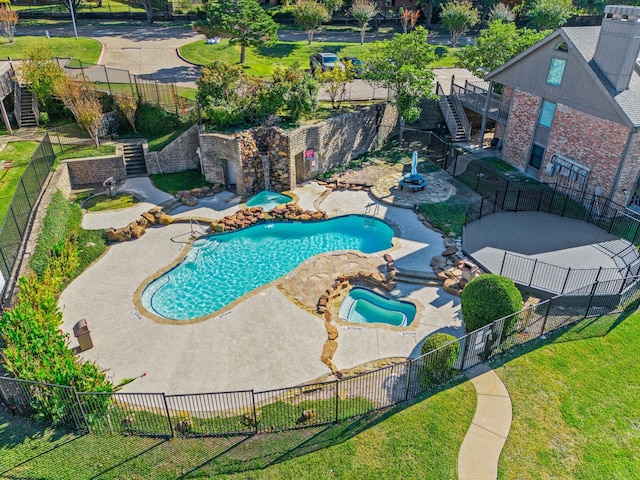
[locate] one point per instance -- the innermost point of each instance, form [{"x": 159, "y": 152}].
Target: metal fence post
[
  {"x": 504, "y": 259},
  {"x": 566, "y": 280},
  {"x": 546, "y": 316},
  {"x": 166, "y": 409},
  {"x": 533, "y": 271},
  {"x": 84, "y": 416},
  {"x": 591, "y": 295},
  {"x": 406, "y": 393},
  {"x": 337, "y": 400},
  {"x": 255, "y": 413}
]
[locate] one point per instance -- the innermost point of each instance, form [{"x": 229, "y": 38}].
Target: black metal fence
[
  {"x": 248, "y": 412},
  {"x": 16, "y": 221}
]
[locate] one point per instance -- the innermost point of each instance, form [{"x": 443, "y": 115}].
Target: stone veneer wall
[
  {"x": 522, "y": 121},
  {"x": 84, "y": 171},
  {"x": 336, "y": 141},
  {"x": 179, "y": 155},
  {"x": 63, "y": 179},
  {"x": 588, "y": 139}
]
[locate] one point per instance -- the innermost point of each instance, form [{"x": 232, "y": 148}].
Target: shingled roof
[{"x": 585, "y": 40}]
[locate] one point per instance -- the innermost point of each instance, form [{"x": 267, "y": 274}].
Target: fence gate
[{"x": 478, "y": 347}]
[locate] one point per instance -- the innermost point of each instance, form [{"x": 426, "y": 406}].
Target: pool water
[
  {"x": 365, "y": 306},
  {"x": 221, "y": 268},
  {"x": 267, "y": 200}
]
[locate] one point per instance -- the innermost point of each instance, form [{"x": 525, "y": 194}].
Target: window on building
[
  {"x": 556, "y": 70},
  {"x": 561, "y": 47},
  {"x": 535, "y": 160},
  {"x": 546, "y": 114}
]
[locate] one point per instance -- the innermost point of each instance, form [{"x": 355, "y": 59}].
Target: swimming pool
[
  {"x": 267, "y": 200},
  {"x": 365, "y": 306},
  {"x": 221, "y": 268}
]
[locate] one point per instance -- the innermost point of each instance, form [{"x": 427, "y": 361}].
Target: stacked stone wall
[
  {"x": 83, "y": 171},
  {"x": 179, "y": 155},
  {"x": 216, "y": 148},
  {"x": 63, "y": 180},
  {"x": 522, "y": 122},
  {"x": 596, "y": 142}
]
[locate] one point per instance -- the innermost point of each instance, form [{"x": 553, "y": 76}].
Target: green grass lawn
[
  {"x": 173, "y": 183},
  {"x": 260, "y": 62},
  {"x": 108, "y": 6},
  {"x": 85, "y": 49},
  {"x": 86, "y": 152},
  {"x": 19, "y": 153},
  {"x": 103, "y": 202},
  {"x": 576, "y": 405},
  {"x": 420, "y": 441}
]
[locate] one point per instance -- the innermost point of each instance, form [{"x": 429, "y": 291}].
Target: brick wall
[
  {"x": 178, "y": 156},
  {"x": 593, "y": 141},
  {"x": 522, "y": 121},
  {"x": 83, "y": 171}
]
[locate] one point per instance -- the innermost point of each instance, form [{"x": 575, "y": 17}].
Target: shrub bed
[{"x": 35, "y": 347}]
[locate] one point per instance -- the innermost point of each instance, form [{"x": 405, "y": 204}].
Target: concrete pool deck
[{"x": 262, "y": 342}]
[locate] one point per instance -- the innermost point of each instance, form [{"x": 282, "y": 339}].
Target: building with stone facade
[{"x": 574, "y": 114}]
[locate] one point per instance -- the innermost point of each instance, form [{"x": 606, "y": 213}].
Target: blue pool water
[
  {"x": 267, "y": 200},
  {"x": 221, "y": 268},
  {"x": 364, "y": 306}
]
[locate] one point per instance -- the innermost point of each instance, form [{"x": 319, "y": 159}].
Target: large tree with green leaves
[
  {"x": 549, "y": 14},
  {"x": 309, "y": 15},
  {"x": 243, "y": 22},
  {"x": 497, "y": 45},
  {"x": 404, "y": 65},
  {"x": 458, "y": 16}
]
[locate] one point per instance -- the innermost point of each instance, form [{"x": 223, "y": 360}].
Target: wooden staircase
[
  {"x": 28, "y": 116},
  {"x": 134, "y": 159}
]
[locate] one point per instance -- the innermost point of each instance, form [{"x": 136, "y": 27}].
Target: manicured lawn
[
  {"x": 108, "y": 6},
  {"x": 100, "y": 203},
  {"x": 20, "y": 154},
  {"x": 85, "y": 152},
  {"x": 576, "y": 405},
  {"x": 173, "y": 183},
  {"x": 421, "y": 441},
  {"x": 85, "y": 49},
  {"x": 260, "y": 62}
]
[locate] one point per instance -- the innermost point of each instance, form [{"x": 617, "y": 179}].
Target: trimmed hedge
[
  {"x": 438, "y": 366},
  {"x": 488, "y": 298}
]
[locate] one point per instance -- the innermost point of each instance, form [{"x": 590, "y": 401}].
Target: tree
[
  {"x": 549, "y": 14},
  {"x": 497, "y": 45},
  {"x": 126, "y": 102},
  {"x": 335, "y": 83},
  {"x": 148, "y": 8},
  {"x": 501, "y": 12},
  {"x": 83, "y": 100},
  {"x": 409, "y": 18},
  {"x": 8, "y": 22},
  {"x": 403, "y": 64},
  {"x": 40, "y": 72},
  {"x": 362, "y": 12},
  {"x": 298, "y": 91},
  {"x": 332, "y": 6},
  {"x": 243, "y": 22},
  {"x": 426, "y": 7},
  {"x": 458, "y": 16},
  {"x": 309, "y": 14}
]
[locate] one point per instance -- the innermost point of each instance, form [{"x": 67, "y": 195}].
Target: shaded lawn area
[
  {"x": 85, "y": 49},
  {"x": 108, "y": 6},
  {"x": 576, "y": 404},
  {"x": 260, "y": 62},
  {"x": 20, "y": 154},
  {"x": 420, "y": 441}
]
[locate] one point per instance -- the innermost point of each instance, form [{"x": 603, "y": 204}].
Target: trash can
[
  {"x": 83, "y": 334},
  {"x": 469, "y": 270}
]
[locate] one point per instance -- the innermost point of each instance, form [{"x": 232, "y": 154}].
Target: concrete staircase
[
  {"x": 418, "y": 277},
  {"x": 134, "y": 159},
  {"x": 27, "y": 116}
]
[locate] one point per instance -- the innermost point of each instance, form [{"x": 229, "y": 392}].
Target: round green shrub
[
  {"x": 488, "y": 298},
  {"x": 438, "y": 365}
]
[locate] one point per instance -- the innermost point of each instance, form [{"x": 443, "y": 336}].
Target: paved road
[{"x": 153, "y": 50}]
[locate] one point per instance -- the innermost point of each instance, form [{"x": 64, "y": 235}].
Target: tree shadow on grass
[{"x": 279, "y": 50}]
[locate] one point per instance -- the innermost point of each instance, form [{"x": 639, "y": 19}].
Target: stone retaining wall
[
  {"x": 294, "y": 156},
  {"x": 83, "y": 171},
  {"x": 179, "y": 155}
]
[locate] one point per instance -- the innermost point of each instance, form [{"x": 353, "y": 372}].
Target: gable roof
[{"x": 583, "y": 41}]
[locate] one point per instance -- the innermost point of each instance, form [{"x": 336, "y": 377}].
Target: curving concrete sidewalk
[{"x": 481, "y": 447}]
